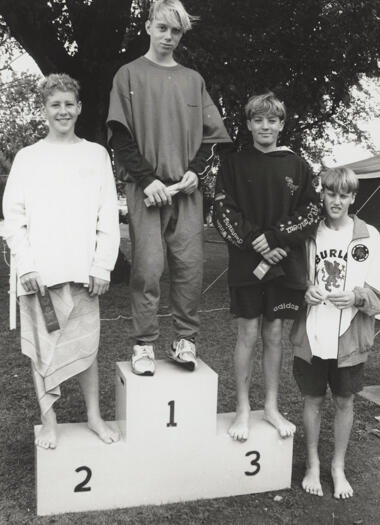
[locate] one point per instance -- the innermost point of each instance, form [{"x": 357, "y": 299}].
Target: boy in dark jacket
[{"x": 265, "y": 207}]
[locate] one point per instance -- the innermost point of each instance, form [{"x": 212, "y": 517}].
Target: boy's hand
[
  {"x": 342, "y": 299},
  {"x": 313, "y": 295},
  {"x": 158, "y": 194},
  {"x": 97, "y": 286},
  {"x": 275, "y": 256},
  {"x": 31, "y": 282},
  {"x": 189, "y": 182},
  {"x": 260, "y": 244}
]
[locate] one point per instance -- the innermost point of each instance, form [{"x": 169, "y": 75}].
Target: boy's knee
[
  {"x": 314, "y": 403},
  {"x": 248, "y": 331},
  {"x": 272, "y": 332},
  {"x": 344, "y": 403}
]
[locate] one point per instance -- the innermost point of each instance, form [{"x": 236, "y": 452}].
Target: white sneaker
[
  {"x": 143, "y": 360},
  {"x": 183, "y": 352}
]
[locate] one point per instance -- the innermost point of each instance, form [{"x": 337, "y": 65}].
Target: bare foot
[
  {"x": 239, "y": 429},
  {"x": 311, "y": 482},
  {"x": 105, "y": 433},
  {"x": 285, "y": 428},
  {"x": 47, "y": 436},
  {"x": 342, "y": 489}
]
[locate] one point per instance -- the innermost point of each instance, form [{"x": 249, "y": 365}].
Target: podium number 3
[
  {"x": 171, "y": 423},
  {"x": 255, "y": 463},
  {"x": 81, "y": 487}
]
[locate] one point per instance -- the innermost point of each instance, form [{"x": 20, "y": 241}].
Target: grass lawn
[{"x": 19, "y": 412}]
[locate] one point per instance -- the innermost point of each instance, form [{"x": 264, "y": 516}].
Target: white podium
[{"x": 174, "y": 447}]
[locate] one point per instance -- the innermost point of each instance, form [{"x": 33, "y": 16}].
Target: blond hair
[
  {"x": 173, "y": 12},
  {"x": 58, "y": 82},
  {"x": 340, "y": 180},
  {"x": 265, "y": 104}
]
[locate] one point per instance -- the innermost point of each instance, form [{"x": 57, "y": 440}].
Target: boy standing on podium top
[
  {"x": 61, "y": 224},
  {"x": 163, "y": 125},
  {"x": 333, "y": 335},
  {"x": 265, "y": 205}
]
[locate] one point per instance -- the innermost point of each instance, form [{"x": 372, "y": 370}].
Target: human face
[
  {"x": 265, "y": 130},
  {"x": 336, "y": 204},
  {"x": 164, "y": 37},
  {"x": 62, "y": 110}
]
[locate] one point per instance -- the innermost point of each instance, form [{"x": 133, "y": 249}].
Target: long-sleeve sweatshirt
[
  {"x": 265, "y": 193},
  {"x": 61, "y": 215}
]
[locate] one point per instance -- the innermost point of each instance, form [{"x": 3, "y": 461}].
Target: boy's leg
[
  {"x": 344, "y": 414},
  {"x": 184, "y": 239},
  {"x": 147, "y": 264},
  {"x": 272, "y": 358},
  {"x": 312, "y": 422},
  {"x": 243, "y": 361},
  {"x": 89, "y": 382},
  {"x": 47, "y": 436}
]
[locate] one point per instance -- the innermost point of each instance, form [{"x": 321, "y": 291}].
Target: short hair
[
  {"x": 265, "y": 104},
  {"x": 58, "y": 82},
  {"x": 340, "y": 180},
  {"x": 173, "y": 12}
]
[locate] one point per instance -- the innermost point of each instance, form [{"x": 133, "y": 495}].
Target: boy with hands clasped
[
  {"x": 265, "y": 207},
  {"x": 333, "y": 335},
  {"x": 162, "y": 127}
]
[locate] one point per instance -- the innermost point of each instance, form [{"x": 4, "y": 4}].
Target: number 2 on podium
[{"x": 171, "y": 423}]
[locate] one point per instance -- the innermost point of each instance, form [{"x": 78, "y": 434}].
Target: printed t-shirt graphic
[{"x": 330, "y": 266}]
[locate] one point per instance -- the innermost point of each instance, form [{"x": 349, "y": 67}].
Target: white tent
[
  {"x": 366, "y": 169},
  {"x": 367, "y": 203}
]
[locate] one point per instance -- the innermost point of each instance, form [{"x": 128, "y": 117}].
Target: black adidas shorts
[{"x": 270, "y": 299}]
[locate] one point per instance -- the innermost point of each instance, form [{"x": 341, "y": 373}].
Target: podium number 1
[{"x": 171, "y": 423}]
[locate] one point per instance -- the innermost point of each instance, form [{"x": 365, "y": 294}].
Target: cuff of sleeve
[
  {"x": 146, "y": 181},
  {"x": 271, "y": 239},
  {"x": 359, "y": 299},
  {"x": 22, "y": 269},
  {"x": 97, "y": 271}
]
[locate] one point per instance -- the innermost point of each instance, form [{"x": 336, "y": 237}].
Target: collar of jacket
[{"x": 360, "y": 229}]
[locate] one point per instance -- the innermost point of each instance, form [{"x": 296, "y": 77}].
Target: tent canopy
[
  {"x": 367, "y": 168},
  {"x": 367, "y": 202}
]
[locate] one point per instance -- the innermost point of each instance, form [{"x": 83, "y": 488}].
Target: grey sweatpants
[{"x": 180, "y": 228}]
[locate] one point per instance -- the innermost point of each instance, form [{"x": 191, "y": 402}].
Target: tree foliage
[
  {"x": 21, "y": 122},
  {"x": 310, "y": 52}
]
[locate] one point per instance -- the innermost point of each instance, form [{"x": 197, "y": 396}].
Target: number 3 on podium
[{"x": 255, "y": 463}]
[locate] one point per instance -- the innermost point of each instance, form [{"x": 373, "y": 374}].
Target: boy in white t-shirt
[{"x": 333, "y": 336}]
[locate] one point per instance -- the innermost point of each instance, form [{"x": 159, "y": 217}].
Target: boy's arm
[
  {"x": 128, "y": 157},
  {"x": 107, "y": 228},
  {"x": 15, "y": 231},
  {"x": 367, "y": 300},
  {"x": 228, "y": 218},
  {"x": 202, "y": 161},
  {"x": 294, "y": 229}
]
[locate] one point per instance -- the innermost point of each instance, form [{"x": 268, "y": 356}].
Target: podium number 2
[
  {"x": 255, "y": 463},
  {"x": 171, "y": 423},
  {"x": 81, "y": 487}
]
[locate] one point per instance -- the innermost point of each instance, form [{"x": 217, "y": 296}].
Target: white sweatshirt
[{"x": 61, "y": 215}]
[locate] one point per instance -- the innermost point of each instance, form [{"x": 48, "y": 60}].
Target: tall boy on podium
[
  {"x": 265, "y": 206},
  {"x": 61, "y": 224},
  {"x": 162, "y": 125}
]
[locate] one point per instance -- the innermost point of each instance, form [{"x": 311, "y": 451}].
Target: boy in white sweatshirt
[{"x": 61, "y": 224}]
